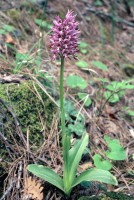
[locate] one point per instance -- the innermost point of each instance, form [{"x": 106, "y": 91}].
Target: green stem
[
  {"x": 62, "y": 98},
  {"x": 65, "y": 137}
]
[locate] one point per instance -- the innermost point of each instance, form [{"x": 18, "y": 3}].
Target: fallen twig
[
  {"x": 8, "y": 189},
  {"x": 16, "y": 121},
  {"x": 7, "y": 143}
]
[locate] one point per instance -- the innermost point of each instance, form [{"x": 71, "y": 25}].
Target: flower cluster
[{"x": 64, "y": 40}]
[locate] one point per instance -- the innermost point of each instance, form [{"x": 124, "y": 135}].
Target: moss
[
  {"x": 29, "y": 109},
  {"x": 14, "y": 14},
  {"x": 108, "y": 196}
]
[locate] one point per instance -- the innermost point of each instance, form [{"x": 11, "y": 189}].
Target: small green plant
[
  {"x": 7, "y": 29},
  {"x": 116, "y": 90},
  {"x": 71, "y": 155},
  {"x": 75, "y": 121},
  {"x": 100, "y": 163},
  {"x": 100, "y": 65},
  {"x": 98, "y": 3},
  {"x": 85, "y": 98},
  {"x": 82, "y": 64},
  {"x": 83, "y": 47},
  {"x": 116, "y": 152},
  {"x": 24, "y": 60},
  {"x": 21, "y": 60},
  {"x": 75, "y": 81},
  {"x": 130, "y": 113},
  {"x": 43, "y": 24}
]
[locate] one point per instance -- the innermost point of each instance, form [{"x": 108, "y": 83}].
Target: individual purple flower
[{"x": 64, "y": 39}]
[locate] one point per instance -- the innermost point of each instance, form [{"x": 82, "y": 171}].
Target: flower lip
[{"x": 64, "y": 40}]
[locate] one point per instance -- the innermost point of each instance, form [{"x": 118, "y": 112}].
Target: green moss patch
[{"x": 33, "y": 109}]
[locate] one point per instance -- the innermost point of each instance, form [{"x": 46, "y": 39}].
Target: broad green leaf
[
  {"x": 110, "y": 87},
  {"x": 101, "y": 164},
  {"x": 83, "y": 45},
  {"x": 69, "y": 106},
  {"x": 116, "y": 152},
  {"x": 84, "y": 51},
  {"x": 77, "y": 128},
  {"x": 46, "y": 174},
  {"x": 121, "y": 93},
  {"x": 131, "y": 113},
  {"x": 82, "y": 64},
  {"x": 75, "y": 154},
  {"x": 113, "y": 99},
  {"x": 100, "y": 65},
  {"x": 114, "y": 86},
  {"x": 116, "y": 155},
  {"x": 98, "y": 3},
  {"x": 96, "y": 175},
  {"x": 107, "y": 94},
  {"x": 74, "y": 81},
  {"x": 107, "y": 139},
  {"x": 85, "y": 98},
  {"x": 129, "y": 86},
  {"x": 2, "y": 31},
  {"x": 8, "y": 28}
]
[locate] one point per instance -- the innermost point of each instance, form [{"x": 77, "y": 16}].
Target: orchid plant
[{"x": 64, "y": 43}]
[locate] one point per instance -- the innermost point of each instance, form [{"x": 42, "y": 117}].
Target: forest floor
[{"x": 106, "y": 64}]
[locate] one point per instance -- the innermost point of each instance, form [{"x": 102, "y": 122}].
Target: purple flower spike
[{"x": 64, "y": 40}]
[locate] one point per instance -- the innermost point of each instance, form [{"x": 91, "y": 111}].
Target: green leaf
[
  {"x": 75, "y": 154},
  {"x": 2, "y": 31},
  {"x": 69, "y": 106},
  {"x": 131, "y": 113},
  {"x": 121, "y": 94},
  {"x": 82, "y": 64},
  {"x": 101, "y": 164},
  {"x": 74, "y": 81},
  {"x": 113, "y": 99},
  {"x": 98, "y": 3},
  {"x": 107, "y": 94},
  {"x": 116, "y": 86},
  {"x": 43, "y": 24},
  {"x": 116, "y": 152},
  {"x": 129, "y": 86},
  {"x": 77, "y": 128},
  {"x": 83, "y": 45},
  {"x": 46, "y": 174},
  {"x": 84, "y": 51},
  {"x": 107, "y": 139},
  {"x": 100, "y": 65},
  {"x": 8, "y": 28},
  {"x": 96, "y": 175},
  {"x": 110, "y": 87},
  {"x": 116, "y": 155},
  {"x": 85, "y": 98}
]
